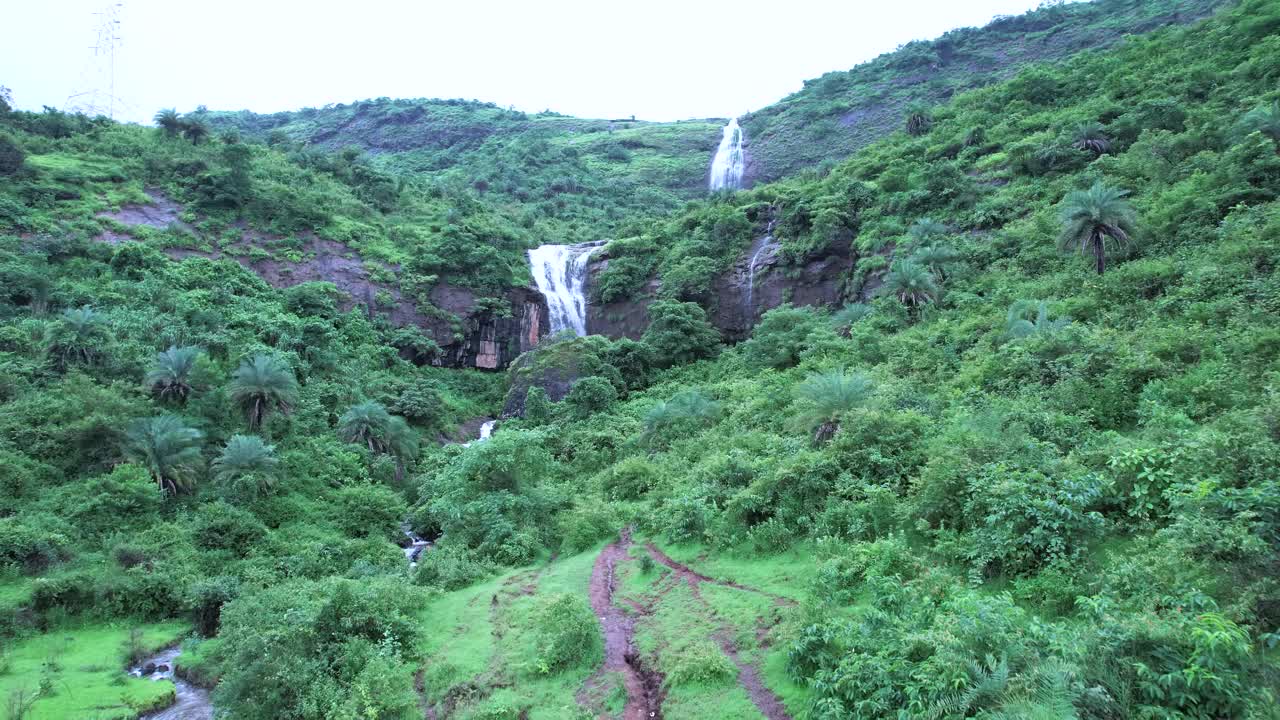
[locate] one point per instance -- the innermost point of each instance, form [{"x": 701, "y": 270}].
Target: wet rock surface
[{"x": 468, "y": 334}]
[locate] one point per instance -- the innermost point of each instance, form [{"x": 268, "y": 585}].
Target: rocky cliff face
[
  {"x": 485, "y": 340},
  {"x": 758, "y": 282},
  {"x": 468, "y": 335}
]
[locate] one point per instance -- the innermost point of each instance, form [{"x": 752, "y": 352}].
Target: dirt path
[
  {"x": 769, "y": 704},
  {"x": 695, "y": 578},
  {"x": 644, "y": 687}
]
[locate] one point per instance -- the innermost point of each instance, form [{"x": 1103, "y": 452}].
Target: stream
[{"x": 192, "y": 702}]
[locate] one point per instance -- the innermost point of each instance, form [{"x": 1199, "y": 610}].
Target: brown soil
[
  {"x": 643, "y": 685},
  {"x": 769, "y": 704}
]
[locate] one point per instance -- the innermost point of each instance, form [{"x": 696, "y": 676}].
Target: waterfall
[
  {"x": 751, "y": 282},
  {"x": 749, "y": 311},
  {"x": 730, "y": 160},
  {"x": 560, "y": 272}
]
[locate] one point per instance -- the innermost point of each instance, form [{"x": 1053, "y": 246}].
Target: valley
[{"x": 945, "y": 388}]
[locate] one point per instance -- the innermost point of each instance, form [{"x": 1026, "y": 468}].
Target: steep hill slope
[{"x": 834, "y": 115}]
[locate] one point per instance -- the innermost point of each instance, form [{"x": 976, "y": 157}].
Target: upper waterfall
[
  {"x": 560, "y": 272},
  {"x": 730, "y": 160}
]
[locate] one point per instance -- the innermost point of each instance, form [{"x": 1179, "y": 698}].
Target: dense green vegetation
[
  {"x": 1004, "y": 481},
  {"x": 833, "y": 116},
  {"x": 564, "y": 179}
]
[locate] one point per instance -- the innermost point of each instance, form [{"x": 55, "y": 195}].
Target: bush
[
  {"x": 370, "y": 511},
  {"x": 206, "y": 599},
  {"x": 585, "y": 524},
  {"x": 537, "y": 406},
  {"x": 590, "y": 395},
  {"x": 630, "y": 479},
  {"x": 567, "y": 634},
  {"x": 783, "y": 334},
  {"x": 700, "y": 663},
  {"x": 220, "y": 526},
  {"x": 11, "y": 156},
  {"x": 344, "y": 650},
  {"x": 449, "y": 567},
  {"x": 679, "y": 333},
  {"x": 30, "y": 547}
]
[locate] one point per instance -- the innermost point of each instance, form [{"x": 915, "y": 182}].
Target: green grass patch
[{"x": 80, "y": 673}]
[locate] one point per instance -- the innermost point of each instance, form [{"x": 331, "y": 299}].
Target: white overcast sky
[{"x": 655, "y": 59}]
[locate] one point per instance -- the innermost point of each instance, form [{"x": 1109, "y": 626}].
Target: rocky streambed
[{"x": 191, "y": 701}]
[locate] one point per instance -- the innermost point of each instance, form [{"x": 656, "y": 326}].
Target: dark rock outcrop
[
  {"x": 468, "y": 335},
  {"x": 742, "y": 295}
]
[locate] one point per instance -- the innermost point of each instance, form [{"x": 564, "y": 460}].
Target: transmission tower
[{"x": 101, "y": 68}]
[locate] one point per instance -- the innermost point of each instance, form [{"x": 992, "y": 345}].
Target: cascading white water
[
  {"x": 560, "y": 272},
  {"x": 730, "y": 160},
  {"x": 751, "y": 281}
]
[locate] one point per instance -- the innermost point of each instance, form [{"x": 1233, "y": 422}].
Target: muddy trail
[
  {"x": 768, "y": 703},
  {"x": 643, "y": 686},
  {"x": 695, "y": 578}
]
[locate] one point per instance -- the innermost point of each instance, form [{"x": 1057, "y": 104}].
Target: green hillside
[
  {"x": 840, "y": 112},
  {"x": 568, "y": 179},
  {"x": 1030, "y": 470}
]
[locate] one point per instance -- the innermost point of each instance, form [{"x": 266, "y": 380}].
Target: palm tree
[
  {"x": 846, "y": 317},
  {"x": 78, "y": 336},
  {"x": 402, "y": 444},
  {"x": 369, "y": 424},
  {"x": 170, "y": 374},
  {"x": 690, "y": 405},
  {"x": 167, "y": 448},
  {"x": 828, "y": 396},
  {"x": 365, "y": 424},
  {"x": 927, "y": 230},
  {"x": 194, "y": 130},
  {"x": 1264, "y": 119},
  {"x": 1095, "y": 218},
  {"x": 246, "y": 463},
  {"x": 169, "y": 121},
  {"x": 1091, "y": 136},
  {"x": 935, "y": 257},
  {"x": 912, "y": 284},
  {"x": 1018, "y": 325},
  {"x": 261, "y": 384}
]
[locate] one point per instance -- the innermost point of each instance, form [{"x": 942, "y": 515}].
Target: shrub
[
  {"x": 450, "y": 566},
  {"x": 370, "y": 511},
  {"x": 220, "y": 526},
  {"x": 783, "y": 334},
  {"x": 587, "y": 522},
  {"x": 567, "y": 634},
  {"x": 537, "y": 406},
  {"x": 630, "y": 479},
  {"x": 28, "y": 546},
  {"x": 679, "y": 333},
  {"x": 700, "y": 663},
  {"x": 11, "y": 156},
  {"x": 590, "y": 395},
  {"x": 207, "y": 597}
]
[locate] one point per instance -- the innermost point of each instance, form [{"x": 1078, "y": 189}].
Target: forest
[{"x": 1029, "y": 467}]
